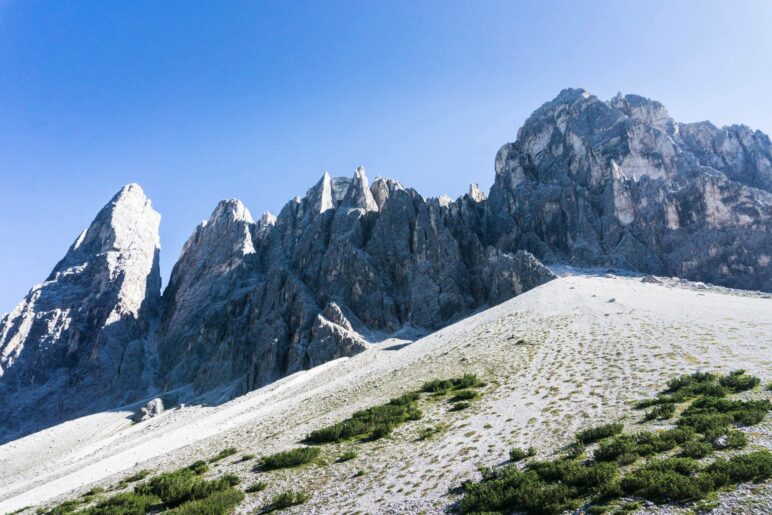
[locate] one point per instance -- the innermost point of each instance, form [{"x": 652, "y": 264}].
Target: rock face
[
  {"x": 587, "y": 182},
  {"x": 249, "y": 302},
  {"x": 152, "y": 408},
  {"x": 620, "y": 183},
  {"x": 81, "y": 341}
]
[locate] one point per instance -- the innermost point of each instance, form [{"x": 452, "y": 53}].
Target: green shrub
[
  {"x": 731, "y": 439},
  {"x": 179, "y": 486},
  {"x": 661, "y": 412},
  {"x": 463, "y": 395},
  {"x": 287, "y": 459},
  {"x": 230, "y": 451},
  {"x": 218, "y": 503},
  {"x": 594, "y": 434},
  {"x": 706, "y": 422},
  {"x": 286, "y": 500},
  {"x": 347, "y": 456},
  {"x": 126, "y": 503},
  {"x": 693, "y": 449},
  {"x": 137, "y": 476},
  {"x": 444, "y": 385},
  {"x": 668, "y": 480},
  {"x": 373, "y": 420},
  {"x": 63, "y": 508},
  {"x": 198, "y": 467},
  {"x": 739, "y": 381},
  {"x": 518, "y": 454},
  {"x": 459, "y": 406},
  {"x": 247, "y": 457},
  {"x": 575, "y": 450},
  {"x": 755, "y": 466},
  {"x": 257, "y": 486}
]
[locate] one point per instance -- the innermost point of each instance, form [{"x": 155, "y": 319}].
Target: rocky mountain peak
[
  {"x": 358, "y": 194},
  {"x": 87, "y": 328}
]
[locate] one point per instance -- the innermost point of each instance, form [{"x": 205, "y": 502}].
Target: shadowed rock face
[
  {"x": 82, "y": 340},
  {"x": 620, "y": 183},
  {"x": 251, "y": 302}
]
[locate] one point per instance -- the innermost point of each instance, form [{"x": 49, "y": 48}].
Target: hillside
[{"x": 572, "y": 353}]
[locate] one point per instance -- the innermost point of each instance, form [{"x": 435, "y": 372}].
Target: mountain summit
[{"x": 587, "y": 182}]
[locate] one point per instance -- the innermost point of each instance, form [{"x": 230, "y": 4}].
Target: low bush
[
  {"x": 731, "y": 439},
  {"x": 374, "y": 422},
  {"x": 288, "y": 459},
  {"x": 594, "y": 434},
  {"x": 694, "y": 449},
  {"x": 459, "y": 406},
  {"x": 199, "y": 467},
  {"x": 218, "y": 503},
  {"x": 230, "y": 451},
  {"x": 257, "y": 486},
  {"x": 463, "y": 395},
  {"x": 137, "y": 476},
  {"x": 247, "y": 457},
  {"x": 180, "y": 486},
  {"x": 672, "y": 479},
  {"x": 706, "y": 421},
  {"x": 286, "y": 500},
  {"x": 518, "y": 454},
  {"x": 739, "y": 381},
  {"x": 661, "y": 412},
  {"x": 754, "y": 466},
  {"x": 444, "y": 385},
  {"x": 126, "y": 503},
  {"x": 347, "y": 456}
]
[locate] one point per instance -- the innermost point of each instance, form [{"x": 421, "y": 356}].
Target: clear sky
[{"x": 200, "y": 101}]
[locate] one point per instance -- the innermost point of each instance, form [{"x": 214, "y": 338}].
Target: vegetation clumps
[
  {"x": 137, "y": 476},
  {"x": 375, "y": 422},
  {"x": 257, "y": 486},
  {"x": 288, "y": 459},
  {"x": 593, "y": 434},
  {"x": 230, "y": 451},
  {"x": 286, "y": 500},
  {"x": 446, "y": 385},
  {"x": 517, "y": 454},
  {"x": 347, "y": 456},
  {"x": 639, "y": 465}
]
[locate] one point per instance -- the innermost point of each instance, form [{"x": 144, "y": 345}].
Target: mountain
[
  {"x": 83, "y": 340},
  {"x": 622, "y": 184},
  {"x": 615, "y": 184},
  {"x": 348, "y": 263}
]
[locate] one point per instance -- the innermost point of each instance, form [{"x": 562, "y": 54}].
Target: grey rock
[
  {"x": 345, "y": 260},
  {"x": 620, "y": 184},
  {"x": 82, "y": 340},
  {"x": 152, "y": 408},
  {"x": 650, "y": 279}
]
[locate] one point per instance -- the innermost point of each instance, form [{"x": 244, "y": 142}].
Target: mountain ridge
[{"x": 587, "y": 182}]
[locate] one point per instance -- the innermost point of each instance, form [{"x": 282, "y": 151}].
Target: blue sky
[{"x": 199, "y": 101}]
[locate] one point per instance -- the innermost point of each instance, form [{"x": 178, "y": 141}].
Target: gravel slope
[{"x": 574, "y": 352}]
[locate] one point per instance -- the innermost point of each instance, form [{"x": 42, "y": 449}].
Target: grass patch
[
  {"x": 289, "y": 459},
  {"x": 463, "y": 395}
]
